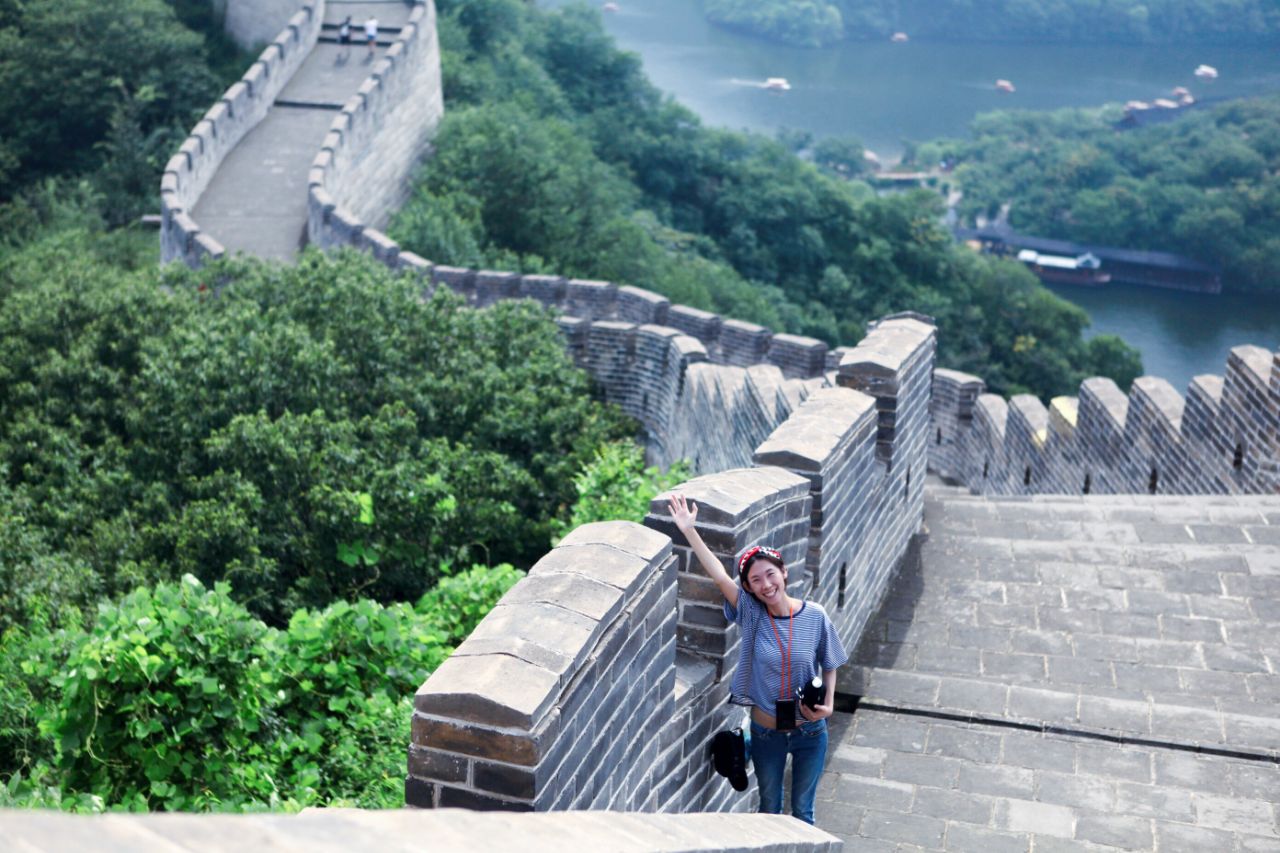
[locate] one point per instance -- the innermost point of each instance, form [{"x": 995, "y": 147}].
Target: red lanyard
[{"x": 786, "y": 660}]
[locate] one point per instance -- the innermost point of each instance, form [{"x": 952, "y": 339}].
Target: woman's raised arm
[{"x": 684, "y": 513}]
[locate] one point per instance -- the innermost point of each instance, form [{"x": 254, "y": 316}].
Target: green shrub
[
  {"x": 37, "y": 584},
  {"x": 458, "y": 603},
  {"x": 616, "y": 485},
  {"x": 29, "y": 659},
  {"x": 346, "y": 676},
  {"x": 166, "y": 704}
]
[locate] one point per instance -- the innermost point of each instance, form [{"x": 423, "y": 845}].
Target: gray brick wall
[
  {"x": 598, "y": 680},
  {"x": 238, "y": 111},
  {"x": 951, "y": 408},
  {"x": 1223, "y": 437},
  {"x": 550, "y": 701},
  {"x": 364, "y": 169}
]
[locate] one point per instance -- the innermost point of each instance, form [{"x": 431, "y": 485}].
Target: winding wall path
[
  {"x": 308, "y": 114},
  {"x": 257, "y": 201}
]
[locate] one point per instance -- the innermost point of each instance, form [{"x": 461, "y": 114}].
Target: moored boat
[{"x": 1084, "y": 269}]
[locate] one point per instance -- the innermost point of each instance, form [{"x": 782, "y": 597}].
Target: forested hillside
[
  {"x": 557, "y": 154},
  {"x": 812, "y": 23},
  {"x": 1205, "y": 186}
]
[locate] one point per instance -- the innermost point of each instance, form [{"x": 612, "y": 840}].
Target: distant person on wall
[
  {"x": 344, "y": 37},
  {"x": 786, "y": 642},
  {"x": 371, "y": 34}
]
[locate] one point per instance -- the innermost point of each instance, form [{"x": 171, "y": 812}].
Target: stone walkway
[
  {"x": 257, "y": 201},
  {"x": 1070, "y": 674}
]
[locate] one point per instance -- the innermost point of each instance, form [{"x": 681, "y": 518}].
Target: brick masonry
[
  {"x": 238, "y": 111},
  {"x": 364, "y": 168},
  {"x": 1221, "y": 438},
  {"x": 598, "y": 680}
]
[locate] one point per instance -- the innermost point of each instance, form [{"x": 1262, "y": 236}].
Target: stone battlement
[
  {"x": 364, "y": 168},
  {"x": 237, "y": 112},
  {"x": 1221, "y": 438}
]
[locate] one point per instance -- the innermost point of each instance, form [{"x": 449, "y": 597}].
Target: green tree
[{"x": 63, "y": 64}]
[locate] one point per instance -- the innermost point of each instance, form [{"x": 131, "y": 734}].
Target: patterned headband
[{"x": 758, "y": 551}]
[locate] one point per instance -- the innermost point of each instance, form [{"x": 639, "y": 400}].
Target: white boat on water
[
  {"x": 776, "y": 84},
  {"x": 1207, "y": 72},
  {"x": 898, "y": 38},
  {"x": 1005, "y": 86}
]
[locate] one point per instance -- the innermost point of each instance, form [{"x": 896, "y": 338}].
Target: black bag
[{"x": 729, "y": 757}]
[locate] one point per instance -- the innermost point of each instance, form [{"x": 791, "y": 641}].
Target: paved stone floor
[
  {"x": 257, "y": 201},
  {"x": 1070, "y": 674}
]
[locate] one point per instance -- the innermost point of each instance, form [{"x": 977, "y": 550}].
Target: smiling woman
[{"x": 772, "y": 674}]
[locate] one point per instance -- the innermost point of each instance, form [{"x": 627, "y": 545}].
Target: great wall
[{"x": 1067, "y": 672}]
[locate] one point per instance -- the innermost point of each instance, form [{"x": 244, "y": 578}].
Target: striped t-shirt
[{"x": 815, "y": 647}]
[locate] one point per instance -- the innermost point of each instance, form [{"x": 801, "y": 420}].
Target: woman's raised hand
[{"x": 684, "y": 512}]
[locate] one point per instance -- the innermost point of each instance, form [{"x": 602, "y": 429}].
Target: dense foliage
[
  {"x": 617, "y": 485},
  {"x": 104, "y": 91},
  {"x": 219, "y": 492},
  {"x": 558, "y": 155},
  {"x": 1206, "y": 185},
  {"x": 176, "y": 697},
  {"x": 312, "y": 433},
  {"x": 815, "y": 22}
]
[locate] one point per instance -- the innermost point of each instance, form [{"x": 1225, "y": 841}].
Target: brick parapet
[
  {"x": 576, "y": 661},
  {"x": 1223, "y": 437},
  {"x": 1062, "y": 467},
  {"x": 364, "y": 168},
  {"x": 1026, "y": 431},
  {"x": 951, "y": 407},
  {"x": 984, "y": 446},
  {"x": 893, "y": 350},
  {"x": 1103, "y": 411},
  {"x": 441, "y": 831},
  {"x": 1250, "y": 408},
  {"x": 598, "y": 680},
  {"x": 239, "y": 110}
]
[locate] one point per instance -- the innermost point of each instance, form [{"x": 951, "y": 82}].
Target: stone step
[
  {"x": 1079, "y": 712},
  {"x": 442, "y": 830}
]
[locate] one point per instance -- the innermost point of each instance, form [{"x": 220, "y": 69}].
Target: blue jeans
[{"x": 807, "y": 746}]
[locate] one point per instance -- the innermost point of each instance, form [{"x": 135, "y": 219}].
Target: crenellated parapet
[
  {"x": 365, "y": 165},
  {"x": 237, "y": 112},
  {"x": 598, "y": 680},
  {"x": 1220, "y": 438},
  {"x": 705, "y": 388}
]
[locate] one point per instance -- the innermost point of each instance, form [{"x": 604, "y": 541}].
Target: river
[{"x": 884, "y": 93}]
